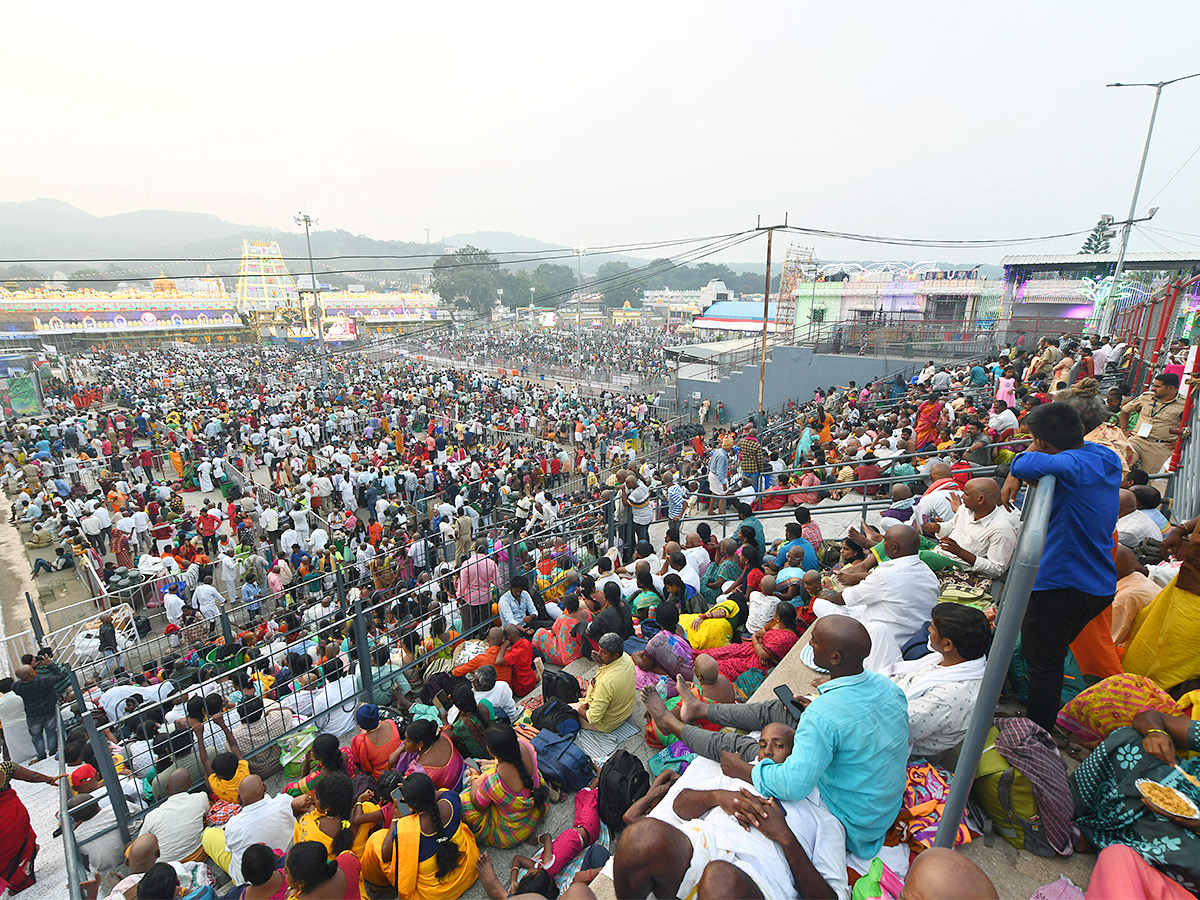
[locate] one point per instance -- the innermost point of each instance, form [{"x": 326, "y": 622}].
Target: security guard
[{"x": 1160, "y": 412}]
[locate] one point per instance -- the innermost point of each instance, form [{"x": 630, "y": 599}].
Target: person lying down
[{"x": 714, "y": 836}]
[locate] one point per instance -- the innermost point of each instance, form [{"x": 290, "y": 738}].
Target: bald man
[
  {"x": 178, "y": 822},
  {"x": 263, "y": 819},
  {"x": 898, "y": 595},
  {"x": 852, "y": 741},
  {"x": 981, "y": 534},
  {"x": 1133, "y": 525},
  {"x": 935, "y": 502},
  {"x": 941, "y": 874}
]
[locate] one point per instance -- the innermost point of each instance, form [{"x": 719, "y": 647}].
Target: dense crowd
[
  {"x": 635, "y": 351},
  {"x": 529, "y": 606}
]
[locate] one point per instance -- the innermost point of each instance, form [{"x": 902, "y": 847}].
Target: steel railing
[{"x": 1014, "y": 599}]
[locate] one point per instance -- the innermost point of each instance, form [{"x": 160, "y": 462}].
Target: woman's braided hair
[
  {"x": 421, "y": 796},
  {"x": 504, "y": 746}
]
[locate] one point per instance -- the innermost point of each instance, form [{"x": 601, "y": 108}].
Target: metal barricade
[{"x": 1014, "y": 599}]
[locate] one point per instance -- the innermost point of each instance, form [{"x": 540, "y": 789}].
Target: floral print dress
[{"x": 1109, "y": 808}]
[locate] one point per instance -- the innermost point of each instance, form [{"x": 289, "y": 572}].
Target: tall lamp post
[
  {"x": 308, "y": 222},
  {"x": 1110, "y": 310}
]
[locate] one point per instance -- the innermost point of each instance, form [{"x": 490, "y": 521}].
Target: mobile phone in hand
[
  {"x": 399, "y": 807},
  {"x": 788, "y": 698}
]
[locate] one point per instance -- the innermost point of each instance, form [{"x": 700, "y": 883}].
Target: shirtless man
[{"x": 713, "y": 685}]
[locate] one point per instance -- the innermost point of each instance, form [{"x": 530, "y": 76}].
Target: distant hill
[{"x": 54, "y": 230}]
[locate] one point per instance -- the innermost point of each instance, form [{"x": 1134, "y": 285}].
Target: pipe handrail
[{"x": 1013, "y": 601}]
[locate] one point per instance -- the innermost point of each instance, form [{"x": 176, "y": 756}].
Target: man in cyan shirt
[
  {"x": 1077, "y": 578},
  {"x": 851, "y": 742}
]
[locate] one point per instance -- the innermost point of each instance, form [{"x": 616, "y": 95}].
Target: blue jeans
[
  {"x": 41, "y": 565},
  {"x": 43, "y": 725}
]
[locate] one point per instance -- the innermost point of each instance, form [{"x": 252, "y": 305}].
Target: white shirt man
[
  {"x": 208, "y": 600},
  {"x": 178, "y": 824},
  {"x": 940, "y": 700},
  {"x": 991, "y": 538},
  {"x": 1001, "y": 422},
  {"x": 936, "y": 502},
  {"x": 898, "y": 594},
  {"x": 327, "y": 706},
  {"x": 268, "y": 820},
  {"x": 1135, "y": 527},
  {"x": 173, "y": 607}
]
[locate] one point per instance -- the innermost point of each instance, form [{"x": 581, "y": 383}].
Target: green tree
[
  {"x": 617, "y": 286},
  {"x": 553, "y": 280},
  {"x": 85, "y": 277},
  {"x": 468, "y": 277},
  {"x": 1097, "y": 241},
  {"x": 516, "y": 286}
]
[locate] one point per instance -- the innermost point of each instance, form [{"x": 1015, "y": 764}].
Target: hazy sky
[{"x": 616, "y": 122}]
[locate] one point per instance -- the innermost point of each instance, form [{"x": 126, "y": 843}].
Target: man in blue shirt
[
  {"x": 794, "y": 539},
  {"x": 851, "y": 741},
  {"x": 1077, "y": 578}
]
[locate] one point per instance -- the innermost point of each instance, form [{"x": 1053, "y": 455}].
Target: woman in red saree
[
  {"x": 765, "y": 648},
  {"x": 120, "y": 548},
  {"x": 378, "y": 745},
  {"x": 928, "y": 415},
  {"x": 18, "y": 841}
]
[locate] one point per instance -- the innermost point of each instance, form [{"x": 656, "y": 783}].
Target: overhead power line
[
  {"x": 568, "y": 251},
  {"x": 930, "y": 242}
]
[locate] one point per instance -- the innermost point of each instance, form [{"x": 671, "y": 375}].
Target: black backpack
[
  {"x": 623, "y": 781},
  {"x": 561, "y": 686},
  {"x": 551, "y": 715}
]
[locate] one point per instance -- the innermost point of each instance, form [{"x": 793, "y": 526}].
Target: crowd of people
[
  {"x": 520, "y": 623},
  {"x": 635, "y": 350}
]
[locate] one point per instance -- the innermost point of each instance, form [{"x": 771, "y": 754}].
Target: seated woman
[
  {"x": 1108, "y": 805},
  {"x": 263, "y": 880},
  {"x": 1096, "y": 712},
  {"x": 765, "y": 648},
  {"x": 677, "y": 593},
  {"x": 335, "y": 819},
  {"x": 378, "y": 745},
  {"x": 426, "y": 749},
  {"x": 311, "y": 873},
  {"x": 426, "y": 855},
  {"x": 667, "y": 655},
  {"x": 713, "y": 628},
  {"x": 325, "y": 757},
  {"x": 503, "y": 803},
  {"x": 562, "y": 644},
  {"x": 646, "y": 597},
  {"x": 473, "y": 717}
]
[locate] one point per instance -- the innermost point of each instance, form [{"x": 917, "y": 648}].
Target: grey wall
[{"x": 792, "y": 373}]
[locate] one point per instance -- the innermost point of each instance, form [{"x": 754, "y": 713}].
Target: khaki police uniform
[{"x": 1151, "y": 438}]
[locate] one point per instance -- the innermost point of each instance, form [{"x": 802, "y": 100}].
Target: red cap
[{"x": 86, "y": 772}]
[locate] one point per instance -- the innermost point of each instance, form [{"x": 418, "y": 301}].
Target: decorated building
[{"x": 1066, "y": 293}]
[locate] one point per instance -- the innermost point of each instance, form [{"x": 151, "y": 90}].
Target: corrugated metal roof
[{"x": 1083, "y": 259}]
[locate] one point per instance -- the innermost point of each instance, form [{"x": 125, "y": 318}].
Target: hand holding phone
[
  {"x": 788, "y": 698},
  {"x": 399, "y": 807}
]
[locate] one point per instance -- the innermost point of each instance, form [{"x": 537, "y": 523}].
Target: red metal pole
[
  {"x": 1163, "y": 320},
  {"x": 1187, "y": 412}
]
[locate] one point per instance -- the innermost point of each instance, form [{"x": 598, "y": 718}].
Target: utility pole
[
  {"x": 1110, "y": 309},
  {"x": 762, "y": 357},
  {"x": 308, "y": 221}
]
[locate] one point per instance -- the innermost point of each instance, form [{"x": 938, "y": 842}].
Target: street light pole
[
  {"x": 1110, "y": 310},
  {"x": 308, "y": 221}
]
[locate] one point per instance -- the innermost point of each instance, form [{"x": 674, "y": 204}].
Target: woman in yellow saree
[
  {"x": 428, "y": 855},
  {"x": 1167, "y": 632}
]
